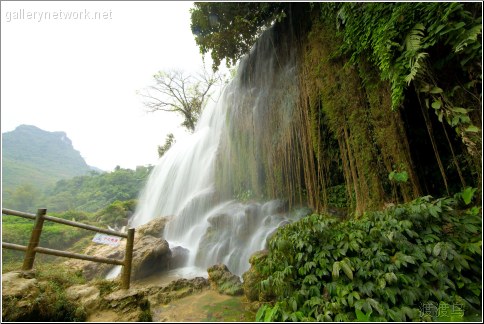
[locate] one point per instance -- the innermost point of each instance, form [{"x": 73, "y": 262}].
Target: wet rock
[
  {"x": 220, "y": 221},
  {"x": 179, "y": 257},
  {"x": 223, "y": 281},
  {"x": 151, "y": 253},
  {"x": 155, "y": 228}
]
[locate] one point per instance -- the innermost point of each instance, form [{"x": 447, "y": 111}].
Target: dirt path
[{"x": 207, "y": 306}]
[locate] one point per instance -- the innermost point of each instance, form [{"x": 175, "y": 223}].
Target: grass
[{"x": 230, "y": 310}]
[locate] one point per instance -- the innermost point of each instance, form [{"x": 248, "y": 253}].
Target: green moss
[
  {"x": 230, "y": 310},
  {"x": 224, "y": 281},
  {"x": 106, "y": 286},
  {"x": 51, "y": 303}
]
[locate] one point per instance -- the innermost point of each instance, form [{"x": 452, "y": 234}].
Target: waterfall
[{"x": 195, "y": 179}]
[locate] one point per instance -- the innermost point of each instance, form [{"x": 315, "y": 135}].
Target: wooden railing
[{"x": 33, "y": 247}]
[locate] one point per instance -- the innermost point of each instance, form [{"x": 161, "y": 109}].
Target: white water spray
[{"x": 183, "y": 184}]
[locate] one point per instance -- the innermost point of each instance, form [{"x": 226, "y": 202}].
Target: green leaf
[
  {"x": 472, "y": 129},
  {"x": 293, "y": 303},
  {"x": 362, "y": 317},
  {"x": 459, "y": 110},
  {"x": 270, "y": 313},
  {"x": 336, "y": 269},
  {"x": 436, "y": 90},
  {"x": 375, "y": 305},
  {"x": 390, "y": 277},
  {"x": 467, "y": 194},
  {"x": 437, "y": 249},
  {"x": 347, "y": 268},
  {"x": 437, "y": 104},
  {"x": 260, "y": 313}
]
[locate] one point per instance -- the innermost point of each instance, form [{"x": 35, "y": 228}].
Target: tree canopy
[{"x": 229, "y": 29}]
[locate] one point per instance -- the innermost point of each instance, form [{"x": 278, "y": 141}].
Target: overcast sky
[{"x": 62, "y": 69}]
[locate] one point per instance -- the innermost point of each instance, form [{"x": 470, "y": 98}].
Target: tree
[
  {"x": 229, "y": 29},
  {"x": 174, "y": 91},
  {"x": 170, "y": 139},
  {"x": 24, "y": 198}
]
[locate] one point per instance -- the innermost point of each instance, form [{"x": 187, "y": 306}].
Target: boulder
[
  {"x": 18, "y": 290},
  {"x": 155, "y": 228},
  {"x": 27, "y": 298},
  {"x": 86, "y": 295},
  {"x": 151, "y": 253},
  {"x": 129, "y": 305},
  {"x": 176, "y": 289},
  {"x": 95, "y": 270},
  {"x": 223, "y": 281},
  {"x": 179, "y": 257},
  {"x": 17, "y": 283}
]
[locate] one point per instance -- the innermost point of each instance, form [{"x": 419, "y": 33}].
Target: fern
[
  {"x": 415, "y": 67},
  {"x": 468, "y": 37},
  {"x": 413, "y": 40},
  {"x": 413, "y": 45}
]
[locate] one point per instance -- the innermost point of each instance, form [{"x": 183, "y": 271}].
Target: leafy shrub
[{"x": 383, "y": 266}]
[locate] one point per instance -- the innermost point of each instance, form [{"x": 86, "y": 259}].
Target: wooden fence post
[
  {"x": 34, "y": 239},
  {"x": 128, "y": 259}
]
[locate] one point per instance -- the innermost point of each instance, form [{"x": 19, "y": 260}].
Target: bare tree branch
[{"x": 184, "y": 94}]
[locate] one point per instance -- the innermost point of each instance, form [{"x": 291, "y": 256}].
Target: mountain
[{"x": 39, "y": 158}]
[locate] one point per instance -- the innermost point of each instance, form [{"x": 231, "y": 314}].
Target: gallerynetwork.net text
[{"x": 40, "y": 16}]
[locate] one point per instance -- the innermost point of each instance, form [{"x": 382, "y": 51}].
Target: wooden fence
[{"x": 33, "y": 247}]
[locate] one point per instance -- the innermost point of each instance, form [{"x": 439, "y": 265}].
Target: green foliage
[
  {"x": 228, "y": 30},
  {"x": 397, "y": 176},
  {"x": 170, "y": 139},
  {"x": 466, "y": 195},
  {"x": 384, "y": 265},
  {"x": 420, "y": 44},
  {"x": 245, "y": 195},
  {"x": 117, "y": 213},
  {"x": 62, "y": 237},
  {"x": 106, "y": 286},
  {"x": 337, "y": 196},
  {"x": 362, "y": 317},
  {"x": 96, "y": 191},
  {"x": 23, "y": 197},
  {"x": 57, "y": 236}
]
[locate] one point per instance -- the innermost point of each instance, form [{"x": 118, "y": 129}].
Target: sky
[{"x": 77, "y": 66}]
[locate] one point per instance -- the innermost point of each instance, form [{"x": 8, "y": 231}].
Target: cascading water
[{"x": 191, "y": 181}]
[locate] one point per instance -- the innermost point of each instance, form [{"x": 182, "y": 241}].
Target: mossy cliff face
[
  {"x": 351, "y": 128},
  {"x": 308, "y": 125}
]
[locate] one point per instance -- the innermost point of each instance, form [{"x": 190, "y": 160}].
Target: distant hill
[{"x": 40, "y": 158}]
